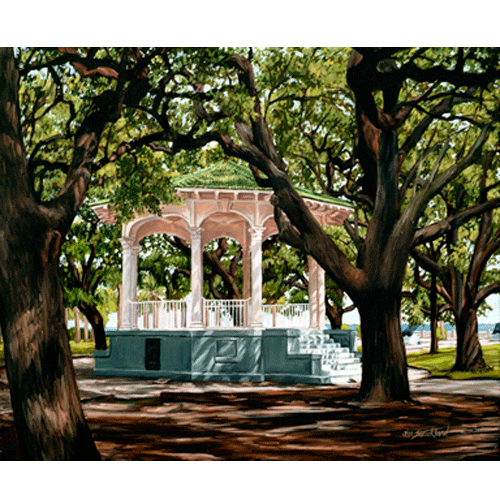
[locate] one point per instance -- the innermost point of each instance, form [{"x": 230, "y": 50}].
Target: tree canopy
[
  {"x": 296, "y": 117},
  {"x": 389, "y": 129}
]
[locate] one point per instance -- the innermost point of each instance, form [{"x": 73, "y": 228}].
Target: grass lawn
[{"x": 440, "y": 364}]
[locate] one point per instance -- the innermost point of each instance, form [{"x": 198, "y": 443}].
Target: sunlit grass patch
[{"x": 440, "y": 364}]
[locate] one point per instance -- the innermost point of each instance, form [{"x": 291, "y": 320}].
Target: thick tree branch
[
  {"x": 379, "y": 80},
  {"x": 428, "y": 264},
  {"x": 64, "y": 207},
  {"x": 459, "y": 78},
  {"x": 432, "y": 267},
  {"x": 12, "y": 158},
  {"x": 422, "y": 197},
  {"x": 306, "y": 232},
  {"x": 484, "y": 293},
  {"x": 438, "y": 229}
]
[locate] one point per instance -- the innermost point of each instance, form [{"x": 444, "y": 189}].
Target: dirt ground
[{"x": 168, "y": 420}]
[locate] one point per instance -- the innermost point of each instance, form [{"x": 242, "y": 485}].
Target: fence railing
[
  {"x": 160, "y": 315},
  {"x": 175, "y": 314},
  {"x": 285, "y": 316},
  {"x": 225, "y": 313}
]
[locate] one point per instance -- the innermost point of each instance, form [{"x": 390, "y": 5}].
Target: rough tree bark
[
  {"x": 463, "y": 299},
  {"x": 47, "y": 411},
  {"x": 469, "y": 353},
  {"x": 468, "y": 295}
]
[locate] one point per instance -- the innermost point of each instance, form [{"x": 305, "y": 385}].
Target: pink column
[
  {"x": 129, "y": 282},
  {"x": 316, "y": 295},
  {"x": 196, "y": 279},
  {"x": 256, "y": 252}
]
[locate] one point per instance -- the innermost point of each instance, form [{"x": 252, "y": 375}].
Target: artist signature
[{"x": 433, "y": 432}]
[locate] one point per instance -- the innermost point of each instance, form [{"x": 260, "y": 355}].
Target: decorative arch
[
  {"x": 225, "y": 224},
  {"x": 175, "y": 225},
  {"x": 225, "y": 208},
  {"x": 270, "y": 227}
]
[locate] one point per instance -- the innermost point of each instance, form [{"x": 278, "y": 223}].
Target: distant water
[{"x": 482, "y": 327}]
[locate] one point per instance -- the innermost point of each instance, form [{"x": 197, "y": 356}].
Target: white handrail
[
  {"x": 160, "y": 314},
  {"x": 225, "y": 313},
  {"x": 285, "y": 316},
  {"x": 221, "y": 314}
]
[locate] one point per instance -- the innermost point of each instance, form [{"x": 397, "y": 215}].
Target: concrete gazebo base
[{"x": 226, "y": 355}]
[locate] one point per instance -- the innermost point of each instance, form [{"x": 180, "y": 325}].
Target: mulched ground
[{"x": 267, "y": 421}]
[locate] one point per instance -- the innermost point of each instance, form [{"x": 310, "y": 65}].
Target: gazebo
[{"x": 219, "y": 201}]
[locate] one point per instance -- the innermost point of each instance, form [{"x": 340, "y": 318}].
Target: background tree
[
  {"x": 90, "y": 260},
  {"x": 462, "y": 265},
  {"x": 165, "y": 266},
  {"x": 422, "y": 303}
]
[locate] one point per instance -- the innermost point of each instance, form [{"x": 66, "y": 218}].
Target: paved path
[
  {"x": 94, "y": 388},
  {"x": 125, "y": 388},
  {"x": 420, "y": 381}
]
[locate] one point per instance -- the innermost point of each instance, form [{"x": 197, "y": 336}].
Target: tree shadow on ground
[{"x": 267, "y": 421}]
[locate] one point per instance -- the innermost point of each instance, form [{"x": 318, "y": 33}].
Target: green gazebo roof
[
  {"x": 229, "y": 175},
  {"x": 222, "y": 175}
]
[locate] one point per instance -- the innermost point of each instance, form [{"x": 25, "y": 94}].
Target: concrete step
[
  {"x": 337, "y": 363},
  {"x": 334, "y": 356},
  {"x": 342, "y": 368},
  {"x": 340, "y": 377}
]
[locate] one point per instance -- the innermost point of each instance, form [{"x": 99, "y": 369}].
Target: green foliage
[
  {"x": 308, "y": 106},
  {"x": 158, "y": 265},
  {"x": 143, "y": 183},
  {"x": 311, "y": 116},
  {"x": 90, "y": 264},
  {"x": 282, "y": 269}
]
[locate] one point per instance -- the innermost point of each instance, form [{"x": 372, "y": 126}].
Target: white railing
[
  {"x": 225, "y": 313},
  {"x": 176, "y": 314},
  {"x": 285, "y": 316},
  {"x": 160, "y": 315}
]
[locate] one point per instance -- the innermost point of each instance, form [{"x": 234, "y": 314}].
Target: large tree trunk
[
  {"x": 469, "y": 353},
  {"x": 47, "y": 411},
  {"x": 95, "y": 319},
  {"x": 385, "y": 372},
  {"x": 384, "y": 257}
]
